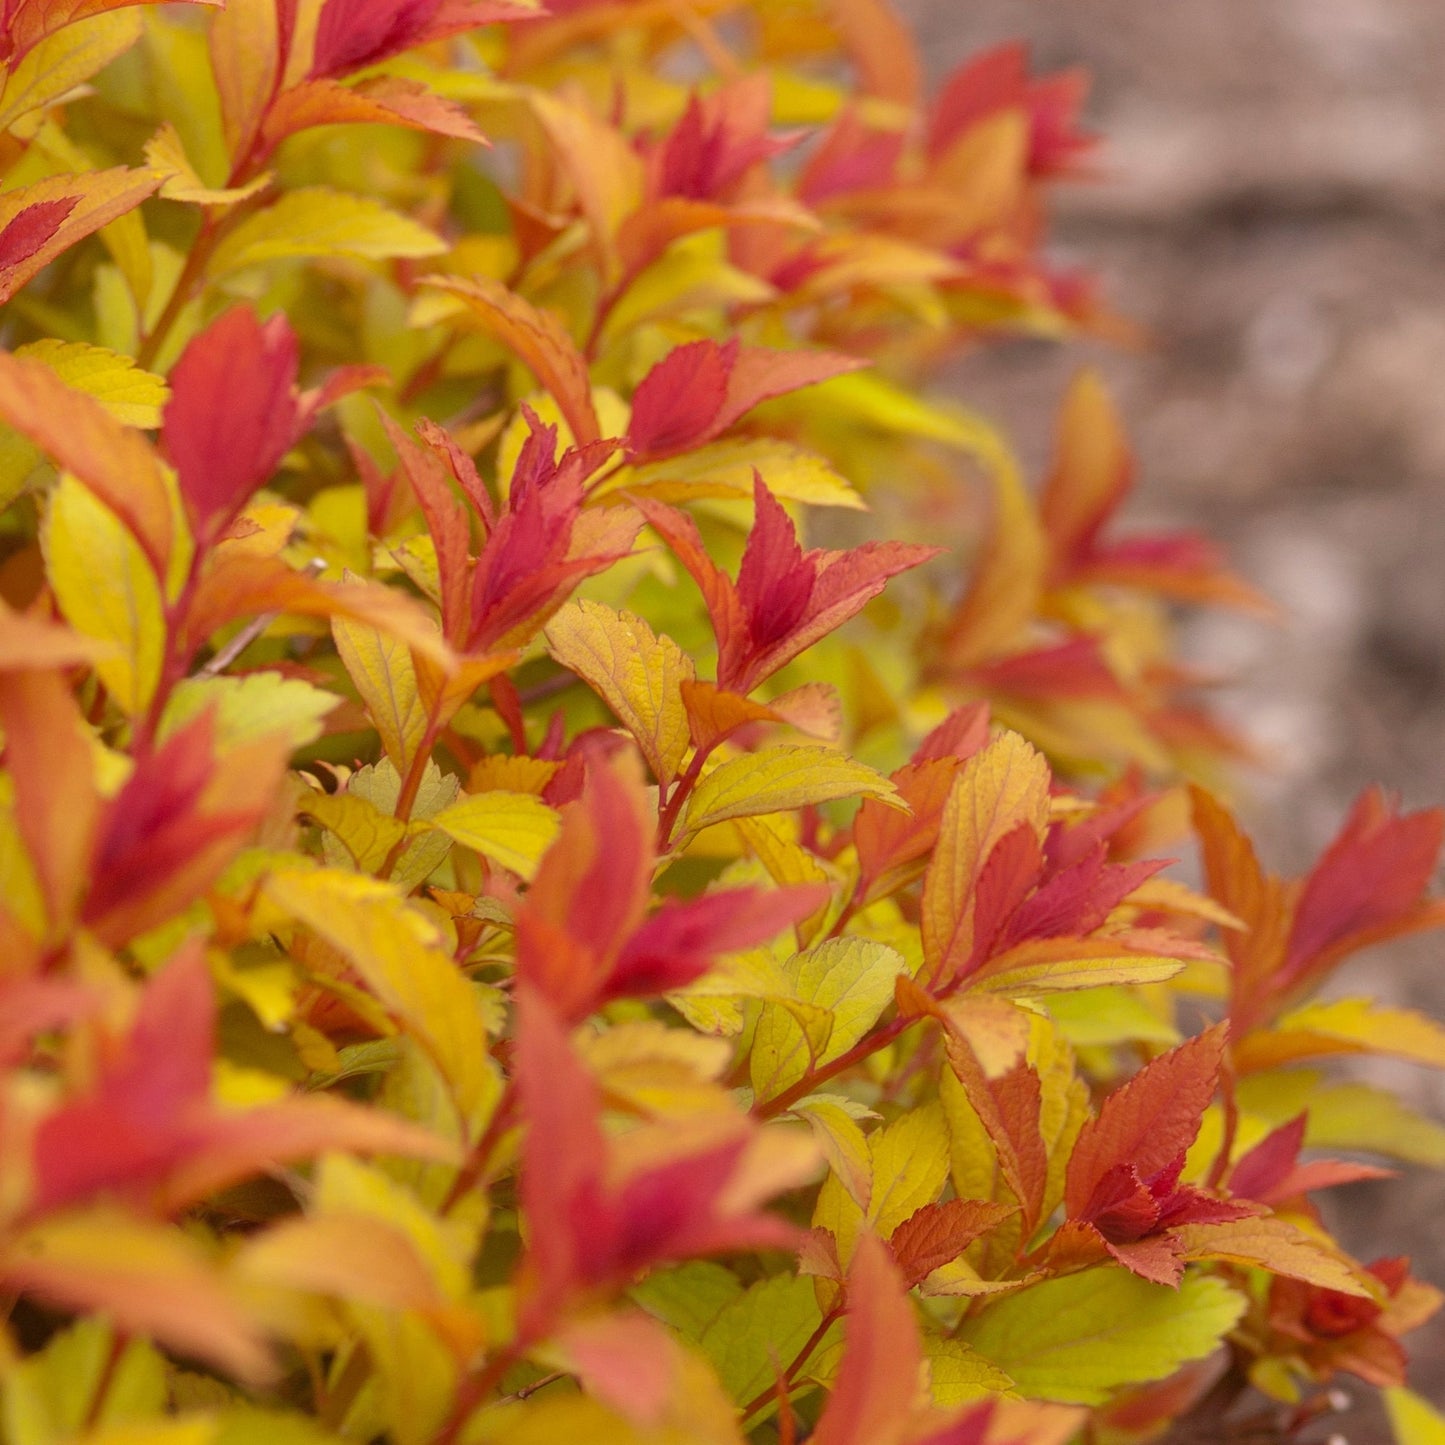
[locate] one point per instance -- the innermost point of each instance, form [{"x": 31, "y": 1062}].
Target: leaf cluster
[{"x": 580, "y": 856}]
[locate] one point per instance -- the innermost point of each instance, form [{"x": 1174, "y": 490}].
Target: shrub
[{"x": 525, "y": 918}]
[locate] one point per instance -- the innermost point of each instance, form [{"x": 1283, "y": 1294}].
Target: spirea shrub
[{"x": 583, "y": 859}]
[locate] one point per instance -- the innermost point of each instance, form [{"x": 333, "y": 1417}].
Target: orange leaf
[
  {"x": 939, "y": 1233},
  {"x": 38, "y": 222},
  {"x": 878, "y": 1377},
  {"x": 1148, "y": 1122},
  {"x": 114, "y": 461},
  {"x": 538, "y": 339},
  {"x": 57, "y": 808}
]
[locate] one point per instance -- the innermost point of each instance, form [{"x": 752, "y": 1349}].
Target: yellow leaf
[
  {"x": 1414, "y": 1420},
  {"x": 910, "y": 1166},
  {"x": 64, "y": 60},
  {"x": 195, "y": 1430},
  {"x": 1051, "y": 965},
  {"x": 243, "y": 51},
  {"x": 843, "y": 1143},
  {"x": 635, "y": 672},
  {"x": 958, "y": 1375},
  {"x": 1346, "y": 1026},
  {"x": 128, "y": 392},
  {"x": 779, "y": 779},
  {"x": 850, "y": 980},
  {"x": 107, "y": 590},
  {"x": 789, "y": 1040},
  {"x": 1005, "y": 785},
  {"x": 381, "y": 668},
  {"x": 165, "y": 152},
  {"x": 725, "y": 469},
  {"x": 366, "y": 833},
  {"x": 513, "y": 829},
  {"x": 400, "y": 956},
  {"x": 317, "y": 221}
]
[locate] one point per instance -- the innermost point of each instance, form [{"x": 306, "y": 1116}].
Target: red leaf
[
  {"x": 677, "y": 402},
  {"x": 1370, "y": 879},
  {"x": 775, "y": 581},
  {"x": 353, "y": 34},
  {"x": 720, "y": 138},
  {"x": 180, "y": 818},
  {"x": 938, "y": 1233},
  {"x": 680, "y": 942},
  {"x": 1150, "y": 1120},
  {"x": 446, "y": 520},
  {"x": 878, "y": 1375},
  {"x": 28, "y": 230},
  {"x": 960, "y": 735},
  {"x": 232, "y": 414},
  {"x": 148, "y": 1128},
  {"x": 1008, "y": 1108},
  {"x": 758, "y": 374}
]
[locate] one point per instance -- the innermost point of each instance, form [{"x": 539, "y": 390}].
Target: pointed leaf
[
  {"x": 780, "y": 779},
  {"x": 999, "y": 789},
  {"x": 638, "y": 674},
  {"x": 1150, "y": 1120},
  {"x": 513, "y": 829},
  {"x": 316, "y": 221},
  {"x": 107, "y": 591},
  {"x": 1075, "y": 1340}
]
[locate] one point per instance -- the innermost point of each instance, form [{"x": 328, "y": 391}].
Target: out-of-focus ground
[{"x": 1272, "y": 211}]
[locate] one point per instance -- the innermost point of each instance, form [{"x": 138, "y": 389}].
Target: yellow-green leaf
[
  {"x": 725, "y": 469},
  {"x": 128, "y": 392},
  {"x": 1075, "y": 1339},
  {"x": 107, "y": 590},
  {"x": 780, "y": 779},
  {"x": 317, "y": 221},
  {"x": 843, "y": 1143},
  {"x": 1414, "y": 1420},
  {"x": 958, "y": 1375},
  {"x": 381, "y": 669},
  {"x": 635, "y": 672},
  {"x": 513, "y": 829},
  {"x": 256, "y": 705},
  {"x": 769, "y": 1322}
]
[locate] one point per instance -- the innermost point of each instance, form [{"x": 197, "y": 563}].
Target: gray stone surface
[{"x": 1271, "y": 208}]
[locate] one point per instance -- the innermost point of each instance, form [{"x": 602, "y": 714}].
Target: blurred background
[{"x": 1270, "y": 208}]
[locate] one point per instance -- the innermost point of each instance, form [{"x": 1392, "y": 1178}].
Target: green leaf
[
  {"x": 689, "y": 1297},
  {"x": 253, "y": 706},
  {"x": 321, "y": 222},
  {"x": 1074, "y": 1340},
  {"x": 761, "y": 1330},
  {"x": 779, "y": 779}
]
